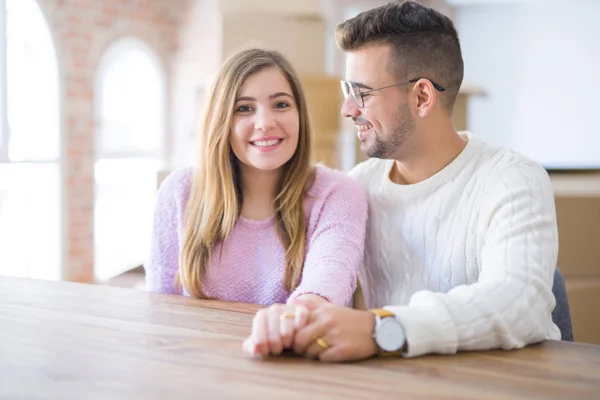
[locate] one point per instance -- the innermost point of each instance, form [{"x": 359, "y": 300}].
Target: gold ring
[
  {"x": 286, "y": 315},
  {"x": 322, "y": 343}
]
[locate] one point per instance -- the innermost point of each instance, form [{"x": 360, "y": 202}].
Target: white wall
[{"x": 539, "y": 63}]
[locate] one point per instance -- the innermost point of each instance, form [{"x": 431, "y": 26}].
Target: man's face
[{"x": 385, "y": 122}]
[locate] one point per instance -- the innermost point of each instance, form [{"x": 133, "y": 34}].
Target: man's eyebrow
[
  {"x": 273, "y": 96},
  {"x": 362, "y": 85}
]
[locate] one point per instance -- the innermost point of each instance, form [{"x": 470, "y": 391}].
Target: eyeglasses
[{"x": 351, "y": 88}]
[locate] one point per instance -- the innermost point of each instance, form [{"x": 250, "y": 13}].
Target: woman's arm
[
  {"x": 335, "y": 244},
  {"x": 162, "y": 266}
]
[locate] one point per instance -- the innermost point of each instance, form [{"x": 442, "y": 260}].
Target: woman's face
[{"x": 266, "y": 123}]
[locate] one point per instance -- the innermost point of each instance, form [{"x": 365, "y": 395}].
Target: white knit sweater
[{"x": 466, "y": 258}]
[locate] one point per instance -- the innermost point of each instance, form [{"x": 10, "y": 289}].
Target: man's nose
[{"x": 349, "y": 108}]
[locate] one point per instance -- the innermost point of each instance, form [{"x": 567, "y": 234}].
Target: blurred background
[{"x": 99, "y": 99}]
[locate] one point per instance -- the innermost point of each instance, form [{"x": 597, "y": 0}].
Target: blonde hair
[{"x": 215, "y": 199}]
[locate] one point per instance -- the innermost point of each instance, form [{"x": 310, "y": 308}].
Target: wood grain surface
[{"x": 61, "y": 340}]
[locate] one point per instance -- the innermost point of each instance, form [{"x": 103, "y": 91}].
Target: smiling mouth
[
  {"x": 266, "y": 143},
  {"x": 362, "y": 129}
]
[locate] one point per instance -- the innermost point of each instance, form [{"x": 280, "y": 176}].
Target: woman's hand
[{"x": 274, "y": 328}]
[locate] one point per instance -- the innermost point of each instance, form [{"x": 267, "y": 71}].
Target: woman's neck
[{"x": 259, "y": 189}]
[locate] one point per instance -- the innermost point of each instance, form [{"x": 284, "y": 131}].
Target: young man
[{"x": 462, "y": 239}]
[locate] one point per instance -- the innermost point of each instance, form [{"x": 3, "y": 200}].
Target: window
[
  {"x": 30, "y": 204},
  {"x": 130, "y": 118}
]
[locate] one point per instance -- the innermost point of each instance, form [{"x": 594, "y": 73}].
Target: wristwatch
[{"x": 389, "y": 333}]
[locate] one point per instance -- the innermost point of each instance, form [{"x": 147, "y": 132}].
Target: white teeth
[
  {"x": 266, "y": 143},
  {"x": 362, "y": 128}
]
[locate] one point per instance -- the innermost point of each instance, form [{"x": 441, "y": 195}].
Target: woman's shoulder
[
  {"x": 335, "y": 198},
  {"x": 176, "y": 185},
  {"x": 330, "y": 181}
]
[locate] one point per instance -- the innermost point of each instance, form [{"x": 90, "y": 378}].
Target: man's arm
[{"x": 510, "y": 306}]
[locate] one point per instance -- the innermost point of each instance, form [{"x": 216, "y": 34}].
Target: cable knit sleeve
[
  {"x": 335, "y": 241},
  {"x": 511, "y": 303},
  {"x": 161, "y": 268}
]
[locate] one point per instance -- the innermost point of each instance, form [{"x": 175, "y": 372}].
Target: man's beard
[{"x": 387, "y": 144}]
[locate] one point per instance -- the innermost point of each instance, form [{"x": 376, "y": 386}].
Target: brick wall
[{"x": 82, "y": 30}]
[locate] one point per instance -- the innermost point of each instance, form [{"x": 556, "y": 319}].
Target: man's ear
[{"x": 426, "y": 97}]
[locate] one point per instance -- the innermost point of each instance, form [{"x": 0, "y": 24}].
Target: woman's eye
[
  {"x": 243, "y": 109},
  {"x": 282, "y": 104}
]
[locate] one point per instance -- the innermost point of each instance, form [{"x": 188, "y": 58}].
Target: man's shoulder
[
  {"x": 505, "y": 169},
  {"x": 496, "y": 161},
  {"x": 365, "y": 171}
]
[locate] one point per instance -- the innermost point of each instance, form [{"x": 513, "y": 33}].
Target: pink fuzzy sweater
[{"x": 251, "y": 267}]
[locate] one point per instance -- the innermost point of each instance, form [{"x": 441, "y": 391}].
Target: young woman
[{"x": 255, "y": 221}]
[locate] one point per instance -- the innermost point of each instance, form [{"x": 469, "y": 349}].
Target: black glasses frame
[{"x": 353, "y": 89}]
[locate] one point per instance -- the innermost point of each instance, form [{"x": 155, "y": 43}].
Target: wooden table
[{"x": 62, "y": 340}]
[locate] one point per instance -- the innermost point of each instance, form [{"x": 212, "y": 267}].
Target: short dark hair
[{"x": 422, "y": 41}]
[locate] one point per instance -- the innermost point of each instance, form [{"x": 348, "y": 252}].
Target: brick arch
[
  {"x": 82, "y": 31},
  {"x": 139, "y": 32}
]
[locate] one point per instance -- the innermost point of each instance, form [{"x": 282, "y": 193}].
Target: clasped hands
[{"x": 313, "y": 329}]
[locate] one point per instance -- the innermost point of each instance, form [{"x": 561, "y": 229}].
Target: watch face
[{"x": 390, "y": 335}]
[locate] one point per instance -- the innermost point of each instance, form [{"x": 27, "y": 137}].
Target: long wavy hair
[{"x": 215, "y": 199}]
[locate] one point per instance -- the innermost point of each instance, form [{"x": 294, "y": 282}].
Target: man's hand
[{"x": 335, "y": 334}]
